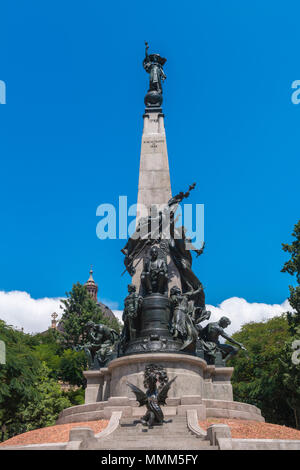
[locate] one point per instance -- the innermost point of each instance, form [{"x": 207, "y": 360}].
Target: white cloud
[
  {"x": 21, "y": 310},
  {"x": 118, "y": 314},
  {"x": 240, "y": 311}
]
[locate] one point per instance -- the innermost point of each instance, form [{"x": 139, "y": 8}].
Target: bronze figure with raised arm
[{"x": 209, "y": 339}]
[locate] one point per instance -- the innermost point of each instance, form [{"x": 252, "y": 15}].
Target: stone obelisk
[
  {"x": 154, "y": 178},
  {"x": 154, "y": 188}
]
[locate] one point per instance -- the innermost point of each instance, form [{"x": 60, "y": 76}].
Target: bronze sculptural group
[
  {"x": 156, "y": 319},
  {"x": 157, "y": 239}
]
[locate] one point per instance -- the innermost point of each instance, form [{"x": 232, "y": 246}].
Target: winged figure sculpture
[{"x": 153, "y": 398}]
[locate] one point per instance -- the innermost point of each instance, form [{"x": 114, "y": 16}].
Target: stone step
[
  {"x": 154, "y": 430},
  {"x": 180, "y": 424},
  {"x": 149, "y": 436},
  {"x": 135, "y": 421},
  {"x": 174, "y": 441},
  {"x": 151, "y": 444},
  {"x": 172, "y": 435},
  {"x": 176, "y": 436},
  {"x": 143, "y": 435}
]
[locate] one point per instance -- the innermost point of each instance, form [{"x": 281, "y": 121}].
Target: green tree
[
  {"x": 258, "y": 378},
  {"x": 49, "y": 402},
  {"x": 17, "y": 377},
  {"x": 29, "y": 397},
  {"x": 51, "y": 356},
  {"x": 290, "y": 369},
  {"x": 72, "y": 364},
  {"x": 78, "y": 309},
  {"x": 292, "y": 266},
  {"x": 291, "y": 380},
  {"x": 51, "y": 336},
  {"x": 76, "y": 396}
]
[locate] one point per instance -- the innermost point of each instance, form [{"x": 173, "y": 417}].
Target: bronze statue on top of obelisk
[{"x": 153, "y": 64}]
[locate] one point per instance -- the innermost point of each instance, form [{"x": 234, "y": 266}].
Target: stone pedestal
[
  {"x": 194, "y": 377},
  {"x": 198, "y": 386},
  {"x": 188, "y": 369}
]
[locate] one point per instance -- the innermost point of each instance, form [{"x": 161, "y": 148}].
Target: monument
[{"x": 163, "y": 334}]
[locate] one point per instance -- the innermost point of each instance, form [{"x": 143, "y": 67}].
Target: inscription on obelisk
[{"x": 154, "y": 178}]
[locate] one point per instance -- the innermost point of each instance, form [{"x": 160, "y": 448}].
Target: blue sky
[{"x": 71, "y": 134}]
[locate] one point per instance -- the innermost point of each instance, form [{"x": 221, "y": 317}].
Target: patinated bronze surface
[
  {"x": 132, "y": 308},
  {"x": 155, "y": 395},
  {"x": 165, "y": 323},
  {"x": 209, "y": 341},
  {"x": 155, "y": 274},
  {"x": 183, "y": 316},
  {"x": 153, "y": 64},
  {"x": 159, "y": 226},
  {"x": 102, "y": 345}
]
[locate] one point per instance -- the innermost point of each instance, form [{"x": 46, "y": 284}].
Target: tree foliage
[
  {"x": 17, "y": 376},
  {"x": 291, "y": 370},
  {"x": 66, "y": 365},
  {"x": 79, "y": 308},
  {"x": 291, "y": 380},
  {"x": 72, "y": 365},
  {"x": 292, "y": 266},
  {"x": 258, "y": 378},
  {"x": 50, "y": 401},
  {"x": 24, "y": 381}
]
